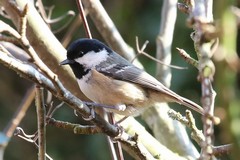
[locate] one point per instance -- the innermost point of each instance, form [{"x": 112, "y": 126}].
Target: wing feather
[{"x": 119, "y": 68}]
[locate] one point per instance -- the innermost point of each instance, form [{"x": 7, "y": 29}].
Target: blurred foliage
[{"x": 133, "y": 18}]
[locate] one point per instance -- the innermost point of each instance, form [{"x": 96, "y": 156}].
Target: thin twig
[
  {"x": 75, "y": 128},
  {"x": 83, "y": 16},
  {"x": 41, "y": 123},
  {"x": 71, "y": 31},
  {"x": 188, "y": 121},
  {"x": 53, "y": 109},
  {"x": 69, "y": 16},
  {"x": 141, "y": 51},
  {"x": 117, "y": 145},
  {"x": 197, "y": 134},
  {"x": 41, "y": 9},
  {"x": 204, "y": 36},
  {"x": 222, "y": 150},
  {"x": 28, "y": 138},
  {"x": 49, "y": 21},
  {"x": 187, "y": 57}
]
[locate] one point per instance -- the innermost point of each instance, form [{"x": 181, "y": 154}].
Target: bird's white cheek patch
[{"x": 92, "y": 59}]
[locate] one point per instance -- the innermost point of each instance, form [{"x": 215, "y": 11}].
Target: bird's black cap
[{"x": 84, "y": 45}]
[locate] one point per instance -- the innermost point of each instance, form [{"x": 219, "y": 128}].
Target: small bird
[{"x": 107, "y": 78}]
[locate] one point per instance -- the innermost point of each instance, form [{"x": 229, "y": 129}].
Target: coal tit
[{"x": 107, "y": 78}]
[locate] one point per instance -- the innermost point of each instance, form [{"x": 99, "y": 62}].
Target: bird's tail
[
  {"x": 190, "y": 104},
  {"x": 168, "y": 95}
]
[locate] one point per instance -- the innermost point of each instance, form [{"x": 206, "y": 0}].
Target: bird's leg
[
  {"x": 121, "y": 120},
  {"x": 93, "y": 104},
  {"x": 92, "y": 115}
]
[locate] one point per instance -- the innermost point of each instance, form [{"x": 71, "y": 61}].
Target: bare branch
[
  {"x": 219, "y": 151},
  {"x": 41, "y": 9},
  {"x": 28, "y": 138},
  {"x": 41, "y": 113},
  {"x": 141, "y": 51},
  {"x": 115, "y": 147},
  {"x": 146, "y": 140},
  {"x": 188, "y": 121},
  {"x": 75, "y": 128},
  {"x": 164, "y": 40},
  {"x": 16, "y": 51},
  {"x": 204, "y": 36},
  {"x": 83, "y": 16},
  {"x": 72, "y": 30},
  {"x": 187, "y": 57}
]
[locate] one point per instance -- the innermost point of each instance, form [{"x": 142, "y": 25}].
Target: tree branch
[
  {"x": 204, "y": 37},
  {"x": 75, "y": 128},
  {"x": 41, "y": 113}
]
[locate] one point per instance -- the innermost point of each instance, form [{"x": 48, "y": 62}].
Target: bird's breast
[{"x": 105, "y": 90}]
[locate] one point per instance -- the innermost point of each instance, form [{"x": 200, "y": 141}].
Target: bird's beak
[{"x": 67, "y": 61}]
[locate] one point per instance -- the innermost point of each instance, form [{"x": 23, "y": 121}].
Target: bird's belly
[{"x": 104, "y": 90}]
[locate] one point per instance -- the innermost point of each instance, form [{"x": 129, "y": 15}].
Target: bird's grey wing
[{"x": 118, "y": 68}]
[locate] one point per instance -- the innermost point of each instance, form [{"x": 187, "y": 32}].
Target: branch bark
[
  {"x": 204, "y": 36},
  {"x": 41, "y": 119}
]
